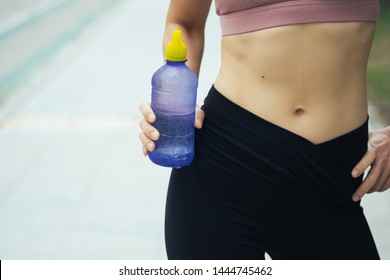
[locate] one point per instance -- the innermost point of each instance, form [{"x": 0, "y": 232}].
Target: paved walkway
[{"x": 73, "y": 181}]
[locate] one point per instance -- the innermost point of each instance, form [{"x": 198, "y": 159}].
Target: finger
[
  {"x": 385, "y": 186},
  {"x": 199, "y": 118},
  {"x": 368, "y": 184},
  {"x": 364, "y": 163},
  {"x": 144, "y": 151},
  {"x": 146, "y": 142},
  {"x": 380, "y": 182},
  {"x": 147, "y": 112},
  {"x": 149, "y": 130},
  {"x": 383, "y": 183}
]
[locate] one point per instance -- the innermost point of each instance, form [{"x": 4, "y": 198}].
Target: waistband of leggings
[{"x": 218, "y": 106}]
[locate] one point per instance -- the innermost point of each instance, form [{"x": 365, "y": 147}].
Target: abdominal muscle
[{"x": 309, "y": 78}]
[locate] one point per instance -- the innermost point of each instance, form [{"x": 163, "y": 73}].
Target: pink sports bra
[{"x": 240, "y": 16}]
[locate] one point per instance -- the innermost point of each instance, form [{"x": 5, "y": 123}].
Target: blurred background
[{"x": 73, "y": 181}]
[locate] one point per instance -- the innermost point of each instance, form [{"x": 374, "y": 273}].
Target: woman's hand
[
  {"x": 149, "y": 134},
  {"x": 378, "y": 158}
]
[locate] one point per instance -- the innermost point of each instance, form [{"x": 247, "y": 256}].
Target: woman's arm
[
  {"x": 190, "y": 17},
  {"x": 378, "y": 159}
]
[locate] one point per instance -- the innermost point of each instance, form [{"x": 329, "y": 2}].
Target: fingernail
[
  {"x": 150, "y": 117},
  {"x": 355, "y": 173},
  {"x": 150, "y": 146},
  {"x": 154, "y": 135},
  {"x": 355, "y": 198}
]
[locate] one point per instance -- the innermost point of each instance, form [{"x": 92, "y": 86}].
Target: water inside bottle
[{"x": 175, "y": 148}]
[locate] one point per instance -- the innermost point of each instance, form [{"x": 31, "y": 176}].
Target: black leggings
[{"x": 255, "y": 187}]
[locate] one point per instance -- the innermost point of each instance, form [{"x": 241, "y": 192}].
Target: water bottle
[{"x": 174, "y": 89}]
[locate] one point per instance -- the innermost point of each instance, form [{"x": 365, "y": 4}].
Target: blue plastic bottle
[{"x": 174, "y": 89}]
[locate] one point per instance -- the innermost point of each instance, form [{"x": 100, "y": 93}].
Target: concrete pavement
[
  {"x": 33, "y": 33},
  {"x": 73, "y": 181}
]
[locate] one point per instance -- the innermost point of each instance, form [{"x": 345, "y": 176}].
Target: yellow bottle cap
[{"x": 176, "y": 49}]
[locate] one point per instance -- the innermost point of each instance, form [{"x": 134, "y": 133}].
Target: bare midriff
[{"x": 307, "y": 78}]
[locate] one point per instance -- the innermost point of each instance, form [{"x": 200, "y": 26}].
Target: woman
[{"x": 281, "y": 153}]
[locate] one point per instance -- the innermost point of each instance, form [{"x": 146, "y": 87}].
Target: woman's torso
[{"x": 308, "y": 78}]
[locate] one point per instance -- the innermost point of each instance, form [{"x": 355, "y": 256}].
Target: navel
[{"x": 299, "y": 110}]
